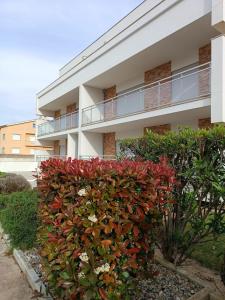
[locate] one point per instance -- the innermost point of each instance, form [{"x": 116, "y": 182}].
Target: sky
[{"x": 37, "y": 37}]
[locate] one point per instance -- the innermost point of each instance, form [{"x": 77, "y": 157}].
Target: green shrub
[
  {"x": 198, "y": 156},
  {"x": 98, "y": 224},
  {"x": 19, "y": 218},
  {"x": 10, "y": 183},
  {"x": 3, "y": 200}
]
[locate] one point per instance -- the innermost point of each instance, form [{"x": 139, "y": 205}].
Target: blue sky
[{"x": 37, "y": 37}]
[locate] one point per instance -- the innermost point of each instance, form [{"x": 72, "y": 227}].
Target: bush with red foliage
[{"x": 98, "y": 223}]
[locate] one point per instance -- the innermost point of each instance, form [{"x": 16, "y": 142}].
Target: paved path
[{"x": 13, "y": 285}]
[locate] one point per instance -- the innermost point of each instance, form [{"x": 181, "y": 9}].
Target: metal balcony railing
[
  {"x": 64, "y": 122},
  {"x": 189, "y": 85}
]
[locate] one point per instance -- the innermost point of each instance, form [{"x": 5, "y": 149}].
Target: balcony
[
  {"x": 190, "y": 85},
  {"x": 64, "y": 122}
]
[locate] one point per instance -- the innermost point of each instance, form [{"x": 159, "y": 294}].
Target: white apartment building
[{"x": 161, "y": 67}]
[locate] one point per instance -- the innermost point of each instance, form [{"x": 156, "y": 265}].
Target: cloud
[{"x": 40, "y": 36}]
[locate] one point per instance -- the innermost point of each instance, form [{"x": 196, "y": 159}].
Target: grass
[
  {"x": 210, "y": 254},
  {"x": 2, "y": 174}
]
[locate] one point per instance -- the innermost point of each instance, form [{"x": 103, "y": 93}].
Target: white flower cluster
[
  {"x": 93, "y": 218},
  {"x": 81, "y": 275},
  {"x": 84, "y": 257},
  {"x": 82, "y": 192},
  {"x": 102, "y": 269}
]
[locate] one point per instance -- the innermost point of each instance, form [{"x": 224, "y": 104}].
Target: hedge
[
  {"x": 18, "y": 216},
  {"x": 198, "y": 157},
  {"x": 98, "y": 224}
]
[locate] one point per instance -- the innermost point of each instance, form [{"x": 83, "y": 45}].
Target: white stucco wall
[
  {"x": 218, "y": 15},
  {"x": 90, "y": 144},
  {"x": 217, "y": 80},
  {"x": 138, "y": 132},
  {"x": 164, "y": 20},
  {"x": 72, "y": 145}
]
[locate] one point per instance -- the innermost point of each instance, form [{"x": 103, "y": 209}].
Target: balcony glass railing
[
  {"x": 103, "y": 157},
  {"x": 189, "y": 85},
  {"x": 62, "y": 123}
]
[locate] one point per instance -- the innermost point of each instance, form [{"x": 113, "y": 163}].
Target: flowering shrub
[{"x": 98, "y": 222}]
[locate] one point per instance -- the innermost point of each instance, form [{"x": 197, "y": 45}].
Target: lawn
[
  {"x": 210, "y": 254},
  {"x": 2, "y": 174}
]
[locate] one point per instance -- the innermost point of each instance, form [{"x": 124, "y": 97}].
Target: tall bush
[
  {"x": 198, "y": 156},
  {"x": 99, "y": 220}
]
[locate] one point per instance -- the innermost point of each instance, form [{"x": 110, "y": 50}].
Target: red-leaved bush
[{"x": 98, "y": 223}]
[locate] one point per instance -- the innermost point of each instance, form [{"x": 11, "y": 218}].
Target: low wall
[{"x": 17, "y": 163}]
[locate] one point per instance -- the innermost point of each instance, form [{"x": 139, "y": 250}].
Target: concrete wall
[{"x": 16, "y": 163}]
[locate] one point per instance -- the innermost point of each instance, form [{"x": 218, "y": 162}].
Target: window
[
  {"x": 16, "y": 137},
  {"x": 34, "y": 125},
  {"x": 15, "y": 150},
  {"x": 3, "y": 136}
]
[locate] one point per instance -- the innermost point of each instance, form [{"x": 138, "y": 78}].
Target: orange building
[{"x": 20, "y": 139}]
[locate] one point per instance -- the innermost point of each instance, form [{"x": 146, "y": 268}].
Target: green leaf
[{"x": 65, "y": 275}]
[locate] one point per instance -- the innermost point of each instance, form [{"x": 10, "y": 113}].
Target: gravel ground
[
  {"x": 34, "y": 259},
  {"x": 167, "y": 285}
]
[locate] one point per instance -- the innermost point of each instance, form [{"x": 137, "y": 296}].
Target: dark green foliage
[
  {"x": 19, "y": 218},
  {"x": 198, "y": 156},
  {"x": 10, "y": 183},
  {"x": 3, "y": 200}
]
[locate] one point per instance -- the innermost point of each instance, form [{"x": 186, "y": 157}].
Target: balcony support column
[
  {"x": 218, "y": 80},
  {"x": 218, "y": 15},
  {"x": 72, "y": 145}
]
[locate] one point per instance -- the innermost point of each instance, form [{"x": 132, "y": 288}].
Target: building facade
[
  {"x": 161, "y": 67},
  {"x": 20, "y": 139}
]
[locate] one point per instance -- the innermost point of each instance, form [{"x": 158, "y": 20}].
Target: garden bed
[{"x": 168, "y": 284}]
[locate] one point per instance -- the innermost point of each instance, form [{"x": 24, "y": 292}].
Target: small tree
[{"x": 198, "y": 211}]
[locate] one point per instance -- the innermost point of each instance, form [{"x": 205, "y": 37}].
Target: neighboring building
[
  {"x": 20, "y": 139},
  {"x": 160, "y": 67}
]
